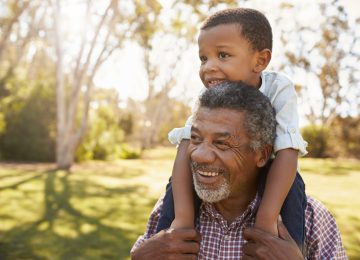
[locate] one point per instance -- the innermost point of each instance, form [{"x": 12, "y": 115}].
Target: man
[{"x": 231, "y": 142}]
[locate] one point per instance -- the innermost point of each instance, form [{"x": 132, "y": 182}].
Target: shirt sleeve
[
  {"x": 151, "y": 225},
  {"x": 177, "y": 134},
  {"x": 284, "y": 100},
  {"x": 322, "y": 238}
]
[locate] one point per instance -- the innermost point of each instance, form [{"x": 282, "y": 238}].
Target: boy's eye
[
  {"x": 203, "y": 59},
  {"x": 223, "y": 55}
]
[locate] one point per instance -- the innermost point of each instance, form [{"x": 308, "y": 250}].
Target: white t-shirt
[{"x": 281, "y": 92}]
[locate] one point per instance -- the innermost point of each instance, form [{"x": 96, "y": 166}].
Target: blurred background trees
[{"x": 53, "y": 109}]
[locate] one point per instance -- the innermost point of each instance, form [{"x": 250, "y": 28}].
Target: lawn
[{"x": 97, "y": 210}]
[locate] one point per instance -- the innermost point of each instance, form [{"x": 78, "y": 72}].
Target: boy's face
[{"x": 227, "y": 56}]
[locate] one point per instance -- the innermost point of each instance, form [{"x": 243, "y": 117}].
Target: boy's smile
[{"x": 227, "y": 56}]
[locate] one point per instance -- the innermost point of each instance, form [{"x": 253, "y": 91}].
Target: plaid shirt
[{"x": 223, "y": 241}]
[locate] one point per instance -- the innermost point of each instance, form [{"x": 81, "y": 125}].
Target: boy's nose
[
  {"x": 203, "y": 154},
  {"x": 210, "y": 65}
]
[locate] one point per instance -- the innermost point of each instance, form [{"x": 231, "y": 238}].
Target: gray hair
[{"x": 260, "y": 123}]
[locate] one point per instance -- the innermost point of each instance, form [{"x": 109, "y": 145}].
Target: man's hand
[
  {"x": 169, "y": 244},
  {"x": 262, "y": 245}
]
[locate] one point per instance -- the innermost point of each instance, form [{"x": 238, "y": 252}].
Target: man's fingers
[
  {"x": 250, "y": 248},
  {"x": 185, "y": 234},
  {"x": 283, "y": 232},
  {"x": 188, "y": 247},
  {"x": 182, "y": 241},
  {"x": 254, "y": 234}
]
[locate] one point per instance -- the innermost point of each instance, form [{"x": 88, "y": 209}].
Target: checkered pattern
[{"x": 223, "y": 241}]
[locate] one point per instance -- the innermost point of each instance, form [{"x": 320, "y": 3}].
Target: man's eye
[
  {"x": 222, "y": 145},
  {"x": 223, "y": 55},
  {"x": 195, "y": 139},
  {"x": 203, "y": 59}
]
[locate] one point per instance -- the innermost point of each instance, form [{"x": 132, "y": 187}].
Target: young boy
[{"x": 235, "y": 45}]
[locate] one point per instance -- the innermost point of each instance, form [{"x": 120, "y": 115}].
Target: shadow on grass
[
  {"x": 15, "y": 185},
  {"x": 64, "y": 232}
]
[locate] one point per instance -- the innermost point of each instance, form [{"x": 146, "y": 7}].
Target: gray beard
[{"x": 212, "y": 195}]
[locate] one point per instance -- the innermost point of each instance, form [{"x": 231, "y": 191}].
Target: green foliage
[
  {"x": 176, "y": 117},
  {"x": 104, "y": 138},
  {"x": 339, "y": 140},
  {"x": 126, "y": 123},
  {"x": 317, "y": 137},
  {"x": 2, "y": 123},
  {"x": 30, "y": 124},
  {"x": 127, "y": 152}
]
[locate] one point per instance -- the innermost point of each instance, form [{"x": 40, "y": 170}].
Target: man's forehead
[{"x": 225, "y": 120}]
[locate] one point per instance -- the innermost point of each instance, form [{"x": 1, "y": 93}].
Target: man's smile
[{"x": 208, "y": 176}]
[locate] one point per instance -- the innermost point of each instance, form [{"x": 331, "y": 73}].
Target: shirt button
[
  {"x": 227, "y": 237},
  {"x": 292, "y": 130}
]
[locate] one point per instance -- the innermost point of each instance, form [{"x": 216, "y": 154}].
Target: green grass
[{"x": 99, "y": 209}]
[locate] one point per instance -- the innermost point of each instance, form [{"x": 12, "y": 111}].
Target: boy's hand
[
  {"x": 169, "y": 244},
  {"x": 262, "y": 245}
]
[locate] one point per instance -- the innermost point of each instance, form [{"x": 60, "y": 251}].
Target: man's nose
[{"x": 203, "y": 154}]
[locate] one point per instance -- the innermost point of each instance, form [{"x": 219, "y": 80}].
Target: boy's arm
[
  {"x": 182, "y": 189},
  {"x": 288, "y": 145},
  {"x": 278, "y": 183}
]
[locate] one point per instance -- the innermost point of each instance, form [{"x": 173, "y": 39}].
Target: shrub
[
  {"x": 317, "y": 137},
  {"x": 127, "y": 152}
]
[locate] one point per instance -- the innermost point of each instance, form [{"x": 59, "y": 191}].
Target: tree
[
  {"x": 12, "y": 51},
  {"x": 326, "y": 52},
  {"x": 73, "y": 91}
]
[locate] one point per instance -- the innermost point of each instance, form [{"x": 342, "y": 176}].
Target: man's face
[
  {"x": 223, "y": 165},
  {"x": 226, "y": 56}
]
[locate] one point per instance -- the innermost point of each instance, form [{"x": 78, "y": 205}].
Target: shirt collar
[
  {"x": 208, "y": 209},
  {"x": 262, "y": 77}
]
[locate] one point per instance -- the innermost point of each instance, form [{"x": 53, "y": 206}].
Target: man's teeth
[{"x": 208, "y": 173}]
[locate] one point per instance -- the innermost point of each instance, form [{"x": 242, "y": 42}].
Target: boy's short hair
[{"x": 254, "y": 25}]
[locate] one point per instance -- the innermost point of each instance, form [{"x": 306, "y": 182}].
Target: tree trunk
[
  {"x": 69, "y": 130},
  {"x": 61, "y": 151}
]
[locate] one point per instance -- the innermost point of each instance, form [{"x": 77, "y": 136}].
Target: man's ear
[
  {"x": 262, "y": 60},
  {"x": 263, "y": 156}
]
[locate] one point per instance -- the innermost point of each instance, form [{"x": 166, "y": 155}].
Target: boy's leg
[
  {"x": 167, "y": 214},
  {"x": 293, "y": 211}
]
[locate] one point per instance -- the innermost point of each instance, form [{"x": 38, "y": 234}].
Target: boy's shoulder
[
  {"x": 276, "y": 84},
  {"x": 276, "y": 78}
]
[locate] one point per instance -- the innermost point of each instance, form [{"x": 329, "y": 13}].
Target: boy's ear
[
  {"x": 263, "y": 156},
  {"x": 262, "y": 60}
]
